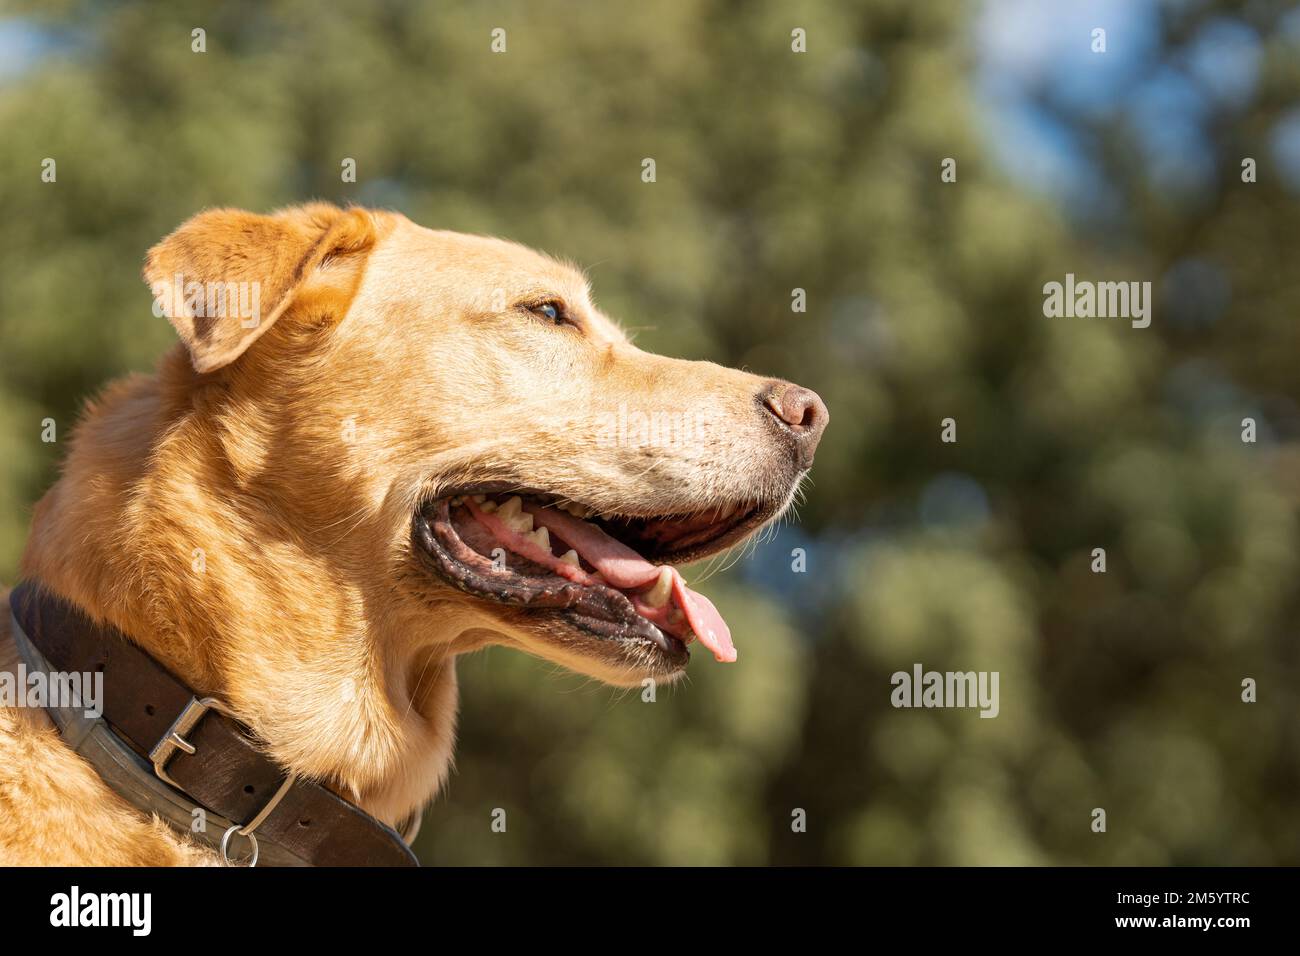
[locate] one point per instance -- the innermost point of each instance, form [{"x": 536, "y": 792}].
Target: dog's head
[{"x": 467, "y": 442}]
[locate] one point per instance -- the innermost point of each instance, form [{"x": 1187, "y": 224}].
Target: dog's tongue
[
  {"x": 705, "y": 620},
  {"x": 624, "y": 568}
]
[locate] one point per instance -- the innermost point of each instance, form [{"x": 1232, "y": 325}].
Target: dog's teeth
[
  {"x": 521, "y": 524},
  {"x": 542, "y": 538},
  {"x": 457, "y": 501},
  {"x": 488, "y": 507},
  {"x": 515, "y": 519},
  {"x": 569, "y": 557},
  {"x": 479, "y": 499},
  {"x": 657, "y": 596},
  {"x": 577, "y": 510},
  {"x": 514, "y": 516}
]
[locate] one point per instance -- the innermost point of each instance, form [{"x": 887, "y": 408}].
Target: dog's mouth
[{"x": 610, "y": 576}]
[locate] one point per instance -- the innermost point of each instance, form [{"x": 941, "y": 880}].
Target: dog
[{"x": 375, "y": 448}]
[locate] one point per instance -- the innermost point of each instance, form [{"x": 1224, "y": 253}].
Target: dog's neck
[{"x": 173, "y": 530}]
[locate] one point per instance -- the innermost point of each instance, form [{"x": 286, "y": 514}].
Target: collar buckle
[{"x": 174, "y": 739}]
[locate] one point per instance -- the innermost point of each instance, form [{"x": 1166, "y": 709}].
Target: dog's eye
[{"x": 552, "y": 311}]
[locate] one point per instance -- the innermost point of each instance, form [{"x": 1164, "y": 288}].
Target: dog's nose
[{"x": 800, "y": 412}]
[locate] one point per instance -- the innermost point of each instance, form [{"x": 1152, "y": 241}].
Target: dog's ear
[{"x": 225, "y": 276}]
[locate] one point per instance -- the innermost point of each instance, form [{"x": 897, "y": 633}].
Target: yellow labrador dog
[{"x": 377, "y": 447}]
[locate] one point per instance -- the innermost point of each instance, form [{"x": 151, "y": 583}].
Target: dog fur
[{"x": 244, "y": 513}]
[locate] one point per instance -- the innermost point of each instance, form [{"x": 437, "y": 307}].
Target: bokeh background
[{"x": 776, "y": 171}]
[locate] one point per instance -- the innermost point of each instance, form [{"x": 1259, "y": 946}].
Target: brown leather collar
[{"x": 199, "y": 749}]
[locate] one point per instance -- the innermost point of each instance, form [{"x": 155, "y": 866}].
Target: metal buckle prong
[{"x": 174, "y": 739}]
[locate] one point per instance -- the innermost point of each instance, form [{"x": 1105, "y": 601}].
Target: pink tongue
[
  {"x": 624, "y": 568},
  {"x": 705, "y": 620}
]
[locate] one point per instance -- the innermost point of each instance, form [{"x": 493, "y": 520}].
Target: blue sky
[{"x": 1037, "y": 66}]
